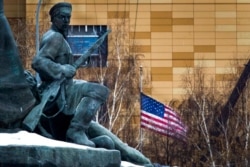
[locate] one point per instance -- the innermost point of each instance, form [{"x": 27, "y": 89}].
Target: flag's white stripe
[
  {"x": 171, "y": 117},
  {"x": 166, "y": 128},
  {"x": 162, "y": 123},
  {"x": 171, "y": 112},
  {"x": 166, "y": 132},
  {"x": 164, "y": 120}
]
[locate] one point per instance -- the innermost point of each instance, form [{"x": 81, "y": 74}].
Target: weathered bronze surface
[{"x": 16, "y": 98}]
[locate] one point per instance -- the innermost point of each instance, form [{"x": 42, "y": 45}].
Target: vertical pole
[
  {"x": 141, "y": 135},
  {"x": 38, "y": 33}
]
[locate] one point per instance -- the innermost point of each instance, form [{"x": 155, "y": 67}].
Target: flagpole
[{"x": 141, "y": 78}]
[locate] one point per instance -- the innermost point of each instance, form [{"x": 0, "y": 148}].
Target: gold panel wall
[{"x": 173, "y": 35}]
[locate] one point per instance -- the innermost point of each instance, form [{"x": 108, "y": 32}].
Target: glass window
[{"x": 82, "y": 37}]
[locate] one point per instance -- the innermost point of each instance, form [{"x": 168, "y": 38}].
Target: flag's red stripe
[
  {"x": 166, "y": 128},
  {"x": 171, "y": 112},
  {"x": 161, "y": 124},
  {"x": 164, "y": 121},
  {"x": 164, "y": 132}
]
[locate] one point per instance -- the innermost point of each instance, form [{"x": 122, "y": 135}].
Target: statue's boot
[
  {"x": 16, "y": 98},
  {"x": 79, "y": 124}
]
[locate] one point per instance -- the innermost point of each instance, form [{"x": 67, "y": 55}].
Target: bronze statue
[
  {"x": 16, "y": 98},
  {"x": 77, "y": 98},
  {"x": 68, "y": 114}
]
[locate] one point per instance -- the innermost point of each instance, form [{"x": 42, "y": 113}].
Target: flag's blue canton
[{"x": 152, "y": 106}]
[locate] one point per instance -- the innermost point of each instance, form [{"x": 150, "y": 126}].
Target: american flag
[{"x": 161, "y": 118}]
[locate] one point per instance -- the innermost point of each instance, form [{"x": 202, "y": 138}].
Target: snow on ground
[{"x": 24, "y": 138}]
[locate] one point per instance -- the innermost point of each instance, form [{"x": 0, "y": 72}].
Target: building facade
[{"x": 174, "y": 36}]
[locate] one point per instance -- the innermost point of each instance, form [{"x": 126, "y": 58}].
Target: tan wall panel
[
  {"x": 179, "y": 91},
  {"x": 161, "y": 7},
  {"x": 244, "y": 49},
  {"x": 226, "y": 42},
  {"x": 226, "y": 1},
  {"x": 182, "y": 28},
  {"x": 140, "y": 42},
  {"x": 243, "y": 1},
  {"x": 243, "y": 41},
  {"x": 162, "y": 84},
  {"x": 223, "y": 77},
  {"x": 227, "y": 70},
  {"x": 206, "y": 35},
  {"x": 183, "y": 7},
  {"x": 225, "y": 14},
  {"x": 243, "y": 14},
  {"x": 205, "y": 63},
  {"x": 243, "y": 35},
  {"x": 161, "y": 21},
  {"x": 183, "y": 63},
  {"x": 143, "y": 48},
  {"x": 183, "y": 21},
  {"x": 138, "y": 8},
  {"x": 243, "y": 27},
  {"x": 243, "y": 21},
  {"x": 95, "y": 8},
  {"x": 204, "y": 7},
  {"x": 204, "y": 15},
  {"x": 183, "y": 55},
  {"x": 226, "y": 28},
  {"x": 226, "y": 35},
  {"x": 183, "y": 42},
  {"x": 179, "y": 77},
  {"x": 204, "y": 41},
  {"x": 182, "y": 35},
  {"x": 118, "y": 14},
  {"x": 204, "y": 48},
  {"x": 161, "y": 55},
  {"x": 139, "y": 28},
  {"x": 183, "y": 14},
  {"x": 202, "y": 21},
  {"x": 204, "y": 1},
  {"x": 139, "y": 21},
  {"x": 204, "y": 28},
  {"x": 161, "y": 28},
  {"x": 179, "y": 71},
  {"x": 161, "y": 63},
  {"x": 139, "y": 15},
  {"x": 226, "y": 7},
  {"x": 161, "y": 48},
  {"x": 145, "y": 56},
  {"x": 204, "y": 56},
  {"x": 243, "y": 7},
  {"x": 161, "y": 91},
  {"x": 162, "y": 42},
  {"x": 183, "y": 48},
  {"x": 226, "y": 49},
  {"x": 160, "y": 14},
  {"x": 182, "y": 1},
  {"x": 162, "y": 78},
  {"x": 223, "y": 63},
  {"x": 226, "y": 21},
  {"x": 161, "y": 35},
  {"x": 140, "y": 35},
  {"x": 226, "y": 56},
  {"x": 161, "y": 70},
  {"x": 85, "y": 15}
]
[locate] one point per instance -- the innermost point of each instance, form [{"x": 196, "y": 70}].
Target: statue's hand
[{"x": 68, "y": 70}]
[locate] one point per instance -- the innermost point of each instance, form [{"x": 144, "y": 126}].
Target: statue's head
[{"x": 60, "y": 15}]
